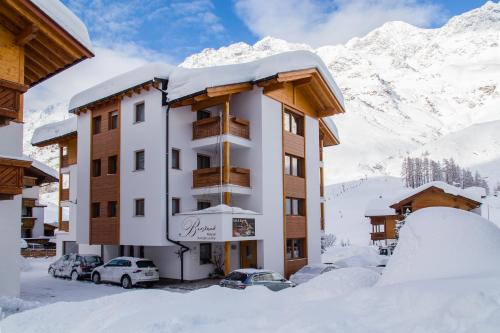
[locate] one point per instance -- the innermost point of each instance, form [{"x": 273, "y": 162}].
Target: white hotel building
[{"x": 194, "y": 167}]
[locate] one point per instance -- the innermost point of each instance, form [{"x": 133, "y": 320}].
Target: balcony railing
[
  {"x": 64, "y": 226},
  {"x": 212, "y": 177},
  {"x": 208, "y": 127},
  {"x": 28, "y": 222},
  {"x": 64, "y": 161},
  {"x": 64, "y": 194},
  {"x": 378, "y": 236}
]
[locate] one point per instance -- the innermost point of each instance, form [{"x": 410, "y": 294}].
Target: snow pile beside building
[
  {"x": 10, "y": 305},
  {"x": 353, "y": 256},
  {"x": 437, "y": 243}
]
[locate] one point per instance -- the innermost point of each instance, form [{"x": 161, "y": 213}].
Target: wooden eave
[
  {"x": 41, "y": 177},
  {"x": 433, "y": 189},
  {"x": 329, "y": 138},
  {"x": 57, "y": 140},
  {"x": 48, "y": 48},
  {"x": 308, "y": 82},
  {"x": 129, "y": 92}
]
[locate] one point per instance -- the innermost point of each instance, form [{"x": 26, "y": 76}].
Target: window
[
  {"x": 294, "y": 206},
  {"x": 65, "y": 181},
  {"x": 203, "y": 161},
  {"x": 65, "y": 151},
  {"x": 176, "y": 159},
  {"x": 176, "y": 206},
  {"x": 139, "y": 160},
  {"x": 112, "y": 208},
  {"x": 294, "y": 166},
  {"x": 293, "y": 123},
  {"x": 96, "y": 125},
  {"x": 113, "y": 120},
  {"x": 139, "y": 112},
  {"x": 202, "y": 114},
  {"x": 203, "y": 204},
  {"x": 139, "y": 207},
  {"x": 96, "y": 168},
  {"x": 112, "y": 165},
  {"x": 295, "y": 248},
  {"x": 205, "y": 253},
  {"x": 96, "y": 209},
  {"x": 27, "y": 211}
]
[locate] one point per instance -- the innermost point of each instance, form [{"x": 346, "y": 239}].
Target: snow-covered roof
[
  {"x": 14, "y": 157},
  {"x": 477, "y": 191},
  {"x": 221, "y": 209},
  {"x": 380, "y": 207},
  {"x": 332, "y": 127},
  {"x": 66, "y": 19},
  {"x": 185, "y": 81},
  {"x": 188, "y": 81},
  {"x": 43, "y": 167},
  {"x": 119, "y": 84},
  {"x": 449, "y": 189},
  {"x": 54, "y": 130}
]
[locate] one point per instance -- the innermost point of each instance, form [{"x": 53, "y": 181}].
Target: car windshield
[
  {"x": 92, "y": 260},
  {"x": 311, "y": 270},
  {"x": 145, "y": 264},
  {"x": 236, "y": 276}
]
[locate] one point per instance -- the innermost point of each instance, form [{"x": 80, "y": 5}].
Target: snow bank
[
  {"x": 65, "y": 18},
  {"x": 54, "y": 130},
  {"x": 335, "y": 283},
  {"x": 353, "y": 256},
  {"x": 10, "y": 305},
  {"x": 443, "y": 242}
]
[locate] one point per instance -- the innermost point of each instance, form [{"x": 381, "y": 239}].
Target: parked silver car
[
  {"x": 127, "y": 271},
  {"x": 242, "y": 278},
  {"x": 308, "y": 272},
  {"x": 75, "y": 266}
]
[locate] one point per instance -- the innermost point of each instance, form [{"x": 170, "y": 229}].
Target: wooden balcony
[
  {"x": 64, "y": 226},
  {"x": 376, "y": 236},
  {"x": 212, "y": 177},
  {"x": 64, "y": 194},
  {"x": 209, "y": 127},
  {"x": 64, "y": 161},
  {"x": 11, "y": 177},
  {"x": 10, "y": 101},
  {"x": 27, "y": 222}
]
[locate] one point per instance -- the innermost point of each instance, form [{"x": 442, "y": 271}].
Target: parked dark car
[
  {"x": 75, "y": 266},
  {"x": 242, "y": 278}
]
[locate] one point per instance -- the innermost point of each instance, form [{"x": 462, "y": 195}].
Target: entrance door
[{"x": 248, "y": 254}]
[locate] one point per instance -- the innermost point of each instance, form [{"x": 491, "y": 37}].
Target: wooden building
[{"x": 385, "y": 212}]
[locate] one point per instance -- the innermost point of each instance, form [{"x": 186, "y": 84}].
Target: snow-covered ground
[{"x": 443, "y": 277}]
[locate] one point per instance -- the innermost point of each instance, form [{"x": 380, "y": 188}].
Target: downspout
[{"x": 183, "y": 247}]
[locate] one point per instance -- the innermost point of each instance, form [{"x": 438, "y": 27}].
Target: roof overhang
[
  {"x": 41, "y": 176},
  {"x": 329, "y": 138},
  {"x": 48, "y": 48},
  {"x": 56, "y": 140},
  {"x": 433, "y": 189}
]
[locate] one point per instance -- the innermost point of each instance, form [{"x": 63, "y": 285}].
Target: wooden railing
[
  {"x": 208, "y": 127},
  {"x": 375, "y": 236},
  {"x": 38, "y": 253},
  {"x": 28, "y": 222},
  {"x": 10, "y": 101},
  {"x": 64, "y": 194},
  {"x": 64, "y": 161},
  {"x": 64, "y": 226},
  {"x": 211, "y": 177}
]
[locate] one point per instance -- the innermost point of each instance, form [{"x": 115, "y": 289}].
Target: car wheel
[
  {"x": 74, "y": 276},
  {"x": 96, "y": 278},
  {"x": 126, "y": 283}
]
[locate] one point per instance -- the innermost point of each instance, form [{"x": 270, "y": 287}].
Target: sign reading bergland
[
  {"x": 243, "y": 227},
  {"x": 194, "y": 229}
]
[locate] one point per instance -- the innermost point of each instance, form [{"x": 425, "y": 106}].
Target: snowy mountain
[{"x": 406, "y": 89}]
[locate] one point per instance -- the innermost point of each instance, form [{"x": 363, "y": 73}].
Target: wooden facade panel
[
  {"x": 439, "y": 199},
  {"x": 390, "y": 227},
  {"x": 11, "y": 57},
  {"x": 209, "y": 127},
  {"x": 64, "y": 226},
  {"x": 293, "y": 144},
  {"x": 64, "y": 194},
  {"x": 296, "y": 227},
  {"x": 212, "y": 177},
  {"x": 295, "y": 187},
  {"x": 29, "y": 202},
  {"x": 11, "y": 179},
  {"x": 28, "y": 222},
  {"x": 294, "y": 265},
  {"x": 105, "y": 188}
]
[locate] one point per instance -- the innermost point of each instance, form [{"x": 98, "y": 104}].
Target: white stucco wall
[
  {"x": 313, "y": 190},
  {"x": 38, "y": 213},
  {"x": 83, "y": 179},
  {"x": 13, "y": 146},
  {"x": 10, "y": 242}
]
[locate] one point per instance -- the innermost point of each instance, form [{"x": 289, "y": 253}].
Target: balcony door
[
  {"x": 202, "y": 161},
  {"x": 248, "y": 254}
]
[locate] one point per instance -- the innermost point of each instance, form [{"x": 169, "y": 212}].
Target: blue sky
[{"x": 176, "y": 29}]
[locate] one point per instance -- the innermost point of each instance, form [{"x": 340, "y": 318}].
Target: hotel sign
[
  {"x": 243, "y": 227},
  {"x": 194, "y": 229}
]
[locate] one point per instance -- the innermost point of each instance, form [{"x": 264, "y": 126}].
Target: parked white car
[
  {"x": 308, "y": 272},
  {"x": 127, "y": 271}
]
